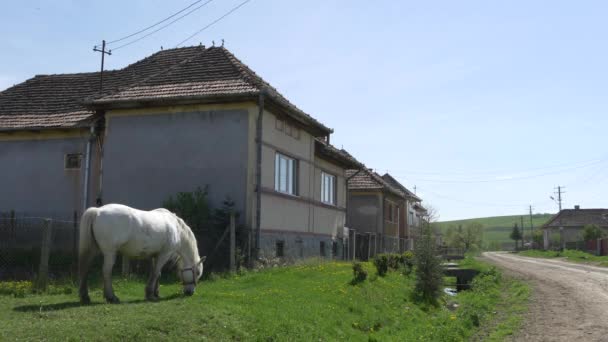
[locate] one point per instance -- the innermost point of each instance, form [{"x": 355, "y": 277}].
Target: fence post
[
  {"x": 232, "y": 242},
  {"x": 45, "y": 249},
  {"x": 75, "y": 242}
]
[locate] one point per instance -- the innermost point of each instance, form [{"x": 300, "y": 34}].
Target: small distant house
[
  {"x": 377, "y": 213},
  {"x": 178, "y": 119},
  {"x": 566, "y": 227}
]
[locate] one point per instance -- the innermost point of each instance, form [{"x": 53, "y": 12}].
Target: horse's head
[{"x": 190, "y": 276}]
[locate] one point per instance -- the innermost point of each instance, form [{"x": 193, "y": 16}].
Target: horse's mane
[{"x": 187, "y": 236}]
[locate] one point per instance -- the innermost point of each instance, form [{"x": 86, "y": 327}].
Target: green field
[
  {"x": 498, "y": 228},
  {"x": 312, "y": 301}
]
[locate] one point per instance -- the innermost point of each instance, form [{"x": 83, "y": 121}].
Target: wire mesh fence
[{"x": 24, "y": 241}]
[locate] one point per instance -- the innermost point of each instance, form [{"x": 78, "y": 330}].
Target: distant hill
[{"x": 498, "y": 228}]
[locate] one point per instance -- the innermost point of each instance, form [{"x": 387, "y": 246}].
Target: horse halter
[{"x": 193, "y": 282}]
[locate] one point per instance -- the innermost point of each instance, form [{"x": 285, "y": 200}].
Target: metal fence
[
  {"x": 30, "y": 245},
  {"x": 368, "y": 245}
]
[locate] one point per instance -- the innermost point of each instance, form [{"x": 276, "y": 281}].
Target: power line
[
  {"x": 213, "y": 22},
  {"x": 162, "y": 27},
  {"x": 158, "y": 23}
]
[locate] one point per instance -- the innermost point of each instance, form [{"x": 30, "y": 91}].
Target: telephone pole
[
  {"x": 559, "y": 196},
  {"x": 531, "y": 222},
  {"x": 523, "y": 231},
  {"x": 103, "y": 54}
]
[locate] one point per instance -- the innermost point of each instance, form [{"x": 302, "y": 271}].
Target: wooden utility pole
[
  {"x": 531, "y": 222},
  {"x": 103, "y": 54},
  {"x": 45, "y": 251},
  {"x": 523, "y": 232}
]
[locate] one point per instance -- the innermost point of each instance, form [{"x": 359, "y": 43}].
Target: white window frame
[
  {"x": 328, "y": 188},
  {"x": 285, "y": 174}
]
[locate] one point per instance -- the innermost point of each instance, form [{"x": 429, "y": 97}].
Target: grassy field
[
  {"x": 570, "y": 255},
  {"x": 312, "y": 301},
  {"x": 498, "y": 228}
]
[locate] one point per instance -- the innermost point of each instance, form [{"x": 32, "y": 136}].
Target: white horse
[{"x": 158, "y": 234}]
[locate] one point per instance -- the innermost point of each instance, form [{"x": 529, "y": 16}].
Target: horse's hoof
[
  {"x": 85, "y": 300},
  {"x": 113, "y": 300}
]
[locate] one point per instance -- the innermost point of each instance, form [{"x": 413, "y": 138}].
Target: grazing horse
[{"x": 157, "y": 234}]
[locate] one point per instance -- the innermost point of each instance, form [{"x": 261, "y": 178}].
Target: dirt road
[{"x": 569, "y": 301}]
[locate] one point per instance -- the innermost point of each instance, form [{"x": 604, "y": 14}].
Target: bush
[
  {"x": 395, "y": 261},
  {"x": 381, "y": 263},
  {"x": 359, "y": 274},
  {"x": 408, "y": 259},
  {"x": 429, "y": 272}
]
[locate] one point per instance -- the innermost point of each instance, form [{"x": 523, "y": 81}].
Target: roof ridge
[{"x": 143, "y": 80}]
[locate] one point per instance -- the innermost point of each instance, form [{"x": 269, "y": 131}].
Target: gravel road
[{"x": 569, "y": 301}]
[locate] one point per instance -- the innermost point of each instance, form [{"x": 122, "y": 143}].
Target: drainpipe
[
  {"x": 258, "y": 175},
  {"x": 87, "y": 170}
]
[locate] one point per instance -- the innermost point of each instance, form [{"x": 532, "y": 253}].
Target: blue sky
[{"x": 484, "y": 106}]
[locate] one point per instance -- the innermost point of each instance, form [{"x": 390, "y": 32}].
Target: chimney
[{"x": 577, "y": 207}]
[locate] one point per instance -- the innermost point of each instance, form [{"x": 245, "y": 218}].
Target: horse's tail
[{"x": 87, "y": 239}]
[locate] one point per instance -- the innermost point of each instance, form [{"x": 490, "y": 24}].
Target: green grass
[
  {"x": 509, "y": 299},
  {"x": 570, "y": 255},
  {"x": 312, "y": 301},
  {"x": 498, "y": 228}
]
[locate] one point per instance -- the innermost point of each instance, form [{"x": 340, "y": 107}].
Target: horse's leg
[
  {"x": 108, "y": 264},
  {"x": 84, "y": 262},
  {"x": 161, "y": 260},
  {"x": 151, "y": 281}
]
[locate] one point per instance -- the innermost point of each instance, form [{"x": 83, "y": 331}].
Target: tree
[
  {"x": 515, "y": 234},
  {"x": 472, "y": 235},
  {"x": 429, "y": 272},
  {"x": 592, "y": 232}
]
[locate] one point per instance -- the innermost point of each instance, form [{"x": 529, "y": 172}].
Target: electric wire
[
  {"x": 213, "y": 22},
  {"x": 162, "y": 27},
  {"x": 158, "y": 23}
]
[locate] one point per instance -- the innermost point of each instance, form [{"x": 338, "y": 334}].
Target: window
[
  {"x": 410, "y": 218},
  {"x": 328, "y": 188},
  {"x": 285, "y": 172},
  {"x": 280, "y": 249},
  {"x": 334, "y": 248},
  {"x": 390, "y": 212},
  {"x": 322, "y": 248},
  {"x": 73, "y": 161}
]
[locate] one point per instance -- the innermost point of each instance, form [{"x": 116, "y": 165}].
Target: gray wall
[
  {"x": 147, "y": 158},
  {"x": 33, "y": 179},
  {"x": 364, "y": 213}
]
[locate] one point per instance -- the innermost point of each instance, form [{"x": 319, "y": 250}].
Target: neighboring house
[
  {"x": 178, "y": 119},
  {"x": 567, "y": 226},
  {"x": 376, "y": 214},
  {"x": 411, "y": 214}
]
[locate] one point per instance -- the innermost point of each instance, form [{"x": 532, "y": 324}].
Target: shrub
[
  {"x": 381, "y": 263},
  {"x": 429, "y": 272},
  {"x": 592, "y": 232},
  {"x": 408, "y": 259},
  {"x": 395, "y": 261},
  {"x": 359, "y": 274}
]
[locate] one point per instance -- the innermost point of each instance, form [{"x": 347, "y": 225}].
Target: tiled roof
[
  {"x": 340, "y": 155},
  {"x": 395, "y": 183},
  {"x": 193, "y": 73},
  {"x": 369, "y": 180},
  {"x": 578, "y": 218}
]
